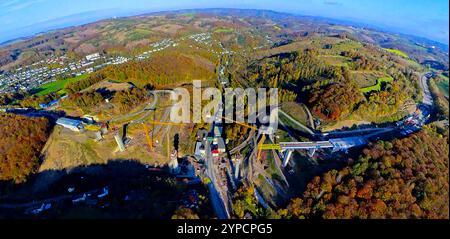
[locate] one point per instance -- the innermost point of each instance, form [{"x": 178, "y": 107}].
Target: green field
[
  {"x": 296, "y": 111},
  {"x": 377, "y": 86},
  {"x": 397, "y": 52},
  {"x": 57, "y": 86},
  {"x": 187, "y": 14},
  {"x": 366, "y": 78},
  {"x": 224, "y": 30},
  {"x": 138, "y": 34},
  {"x": 335, "y": 60}
]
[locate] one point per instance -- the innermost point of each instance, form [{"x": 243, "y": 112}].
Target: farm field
[
  {"x": 57, "y": 86},
  {"x": 335, "y": 60},
  {"x": 296, "y": 111},
  {"x": 377, "y": 87},
  {"x": 366, "y": 78},
  {"x": 397, "y": 52},
  {"x": 224, "y": 30}
]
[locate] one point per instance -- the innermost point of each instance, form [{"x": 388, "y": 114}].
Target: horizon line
[{"x": 133, "y": 13}]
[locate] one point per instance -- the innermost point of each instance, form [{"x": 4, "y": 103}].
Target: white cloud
[{"x": 15, "y": 5}]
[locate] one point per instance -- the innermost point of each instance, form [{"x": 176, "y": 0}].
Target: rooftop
[{"x": 69, "y": 122}]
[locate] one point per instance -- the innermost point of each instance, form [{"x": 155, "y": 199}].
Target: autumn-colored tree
[
  {"x": 128, "y": 99},
  {"x": 184, "y": 213},
  {"x": 171, "y": 68},
  {"x": 84, "y": 83},
  {"x": 335, "y": 101},
  {"x": 86, "y": 101},
  {"x": 21, "y": 140},
  {"x": 406, "y": 178},
  {"x": 244, "y": 201}
]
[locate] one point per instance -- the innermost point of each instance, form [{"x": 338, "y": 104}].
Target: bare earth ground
[
  {"x": 111, "y": 86},
  {"x": 168, "y": 28},
  {"x": 66, "y": 149}
]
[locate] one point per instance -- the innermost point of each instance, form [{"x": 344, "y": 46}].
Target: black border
[{"x": 280, "y": 228}]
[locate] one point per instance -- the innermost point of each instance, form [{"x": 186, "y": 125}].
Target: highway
[
  {"x": 306, "y": 145},
  {"x": 148, "y": 108},
  {"x": 244, "y": 143},
  {"x": 216, "y": 196},
  {"x": 355, "y": 132},
  {"x": 216, "y": 199}
]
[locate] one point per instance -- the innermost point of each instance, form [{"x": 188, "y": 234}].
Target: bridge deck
[{"x": 306, "y": 145}]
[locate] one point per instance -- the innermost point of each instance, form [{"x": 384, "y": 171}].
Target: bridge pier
[
  {"x": 311, "y": 152},
  {"x": 236, "y": 169},
  {"x": 287, "y": 157},
  {"x": 288, "y": 154},
  {"x": 119, "y": 142}
]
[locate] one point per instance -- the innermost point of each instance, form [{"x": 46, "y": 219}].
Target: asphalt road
[
  {"x": 427, "y": 99},
  {"x": 306, "y": 145},
  {"x": 216, "y": 199}
]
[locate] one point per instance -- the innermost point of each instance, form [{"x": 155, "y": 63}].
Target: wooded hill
[
  {"x": 407, "y": 178},
  {"x": 21, "y": 141}
]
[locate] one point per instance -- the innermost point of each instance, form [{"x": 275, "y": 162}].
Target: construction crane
[
  {"x": 150, "y": 137},
  {"x": 263, "y": 137},
  {"x": 239, "y": 123},
  {"x": 147, "y": 136}
]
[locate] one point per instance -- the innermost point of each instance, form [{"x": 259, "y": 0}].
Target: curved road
[{"x": 426, "y": 98}]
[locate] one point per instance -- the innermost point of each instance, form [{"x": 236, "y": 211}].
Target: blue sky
[{"x": 428, "y": 18}]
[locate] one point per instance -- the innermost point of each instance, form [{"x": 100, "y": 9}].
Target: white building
[{"x": 93, "y": 57}]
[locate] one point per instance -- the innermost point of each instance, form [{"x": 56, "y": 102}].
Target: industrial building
[
  {"x": 72, "y": 124},
  {"x": 48, "y": 105},
  {"x": 200, "y": 150}
]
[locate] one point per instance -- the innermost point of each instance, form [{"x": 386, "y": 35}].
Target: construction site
[{"x": 144, "y": 135}]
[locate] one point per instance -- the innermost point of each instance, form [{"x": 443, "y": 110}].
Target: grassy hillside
[
  {"x": 377, "y": 86},
  {"x": 134, "y": 34},
  {"x": 397, "y": 52},
  {"x": 57, "y": 86}
]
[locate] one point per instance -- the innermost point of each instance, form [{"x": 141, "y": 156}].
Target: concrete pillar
[
  {"x": 236, "y": 169},
  {"x": 233, "y": 184},
  {"x": 311, "y": 152},
  {"x": 173, "y": 164},
  {"x": 287, "y": 157},
  {"x": 119, "y": 142},
  {"x": 98, "y": 136}
]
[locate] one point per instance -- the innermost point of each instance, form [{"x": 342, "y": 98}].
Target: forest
[
  {"x": 21, "y": 141},
  {"x": 167, "y": 69},
  {"x": 86, "y": 101},
  {"x": 401, "y": 179},
  {"x": 77, "y": 86},
  {"x": 93, "y": 100},
  {"x": 331, "y": 92},
  {"x": 405, "y": 178}
]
